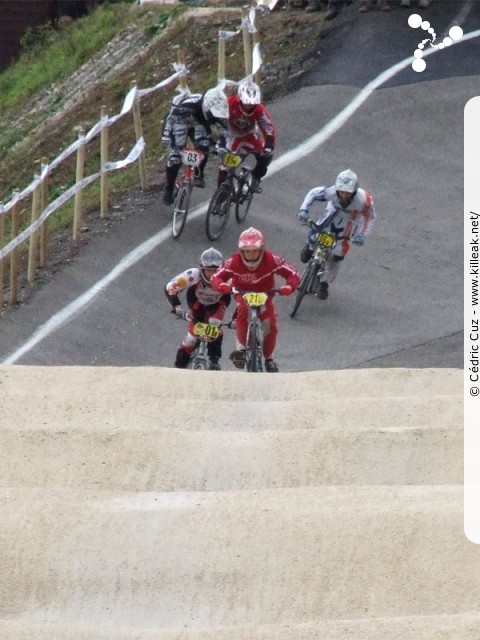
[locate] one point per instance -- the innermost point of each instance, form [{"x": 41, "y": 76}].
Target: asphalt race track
[{"x": 397, "y": 301}]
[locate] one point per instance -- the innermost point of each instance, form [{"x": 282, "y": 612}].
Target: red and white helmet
[
  {"x": 249, "y": 95},
  {"x": 250, "y": 240}
]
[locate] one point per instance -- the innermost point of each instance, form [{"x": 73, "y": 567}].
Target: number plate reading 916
[
  {"x": 255, "y": 299},
  {"x": 325, "y": 240},
  {"x": 207, "y": 330}
]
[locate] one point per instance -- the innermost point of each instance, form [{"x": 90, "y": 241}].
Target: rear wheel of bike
[
  {"x": 180, "y": 211},
  {"x": 306, "y": 282},
  {"x": 218, "y": 212},
  {"x": 243, "y": 197}
]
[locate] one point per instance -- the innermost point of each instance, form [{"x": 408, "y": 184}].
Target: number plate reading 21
[
  {"x": 325, "y": 240},
  {"x": 255, "y": 299}
]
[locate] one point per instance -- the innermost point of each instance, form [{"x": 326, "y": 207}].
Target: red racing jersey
[
  {"x": 243, "y": 125},
  {"x": 260, "y": 279}
]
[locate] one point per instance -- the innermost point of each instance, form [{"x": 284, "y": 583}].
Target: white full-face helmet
[
  {"x": 215, "y": 105},
  {"x": 346, "y": 183},
  {"x": 209, "y": 262},
  {"x": 249, "y": 96}
]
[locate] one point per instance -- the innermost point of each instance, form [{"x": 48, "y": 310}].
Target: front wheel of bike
[
  {"x": 254, "y": 348},
  {"x": 199, "y": 364},
  {"x": 305, "y": 284},
  {"x": 180, "y": 211},
  {"x": 218, "y": 212},
  {"x": 243, "y": 197}
]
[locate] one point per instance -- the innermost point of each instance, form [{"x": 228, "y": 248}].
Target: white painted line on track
[{"x": 311, "y": 144}]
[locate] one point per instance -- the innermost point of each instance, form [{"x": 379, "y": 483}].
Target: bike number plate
[
  {"x": 192, "y": 157},
  {"x": 231, "y": 160},
  {"x": 255, "y": 299},
  {"x": 206, "y": 330},
  {"x": 326, "y": 240}
]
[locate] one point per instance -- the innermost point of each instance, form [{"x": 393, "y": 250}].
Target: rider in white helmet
[
  {"x": 205, "y": 304},
  {"x": 192, "y": 115},
  {"x": 251, "y": 128},
  {"x": 349, "y": 213}
]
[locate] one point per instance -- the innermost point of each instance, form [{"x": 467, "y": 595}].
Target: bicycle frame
[
  {"x": 254, "y": 342},
  {"x": 311, "y": 276},
  {"x": 191, "y": 160},
  {"x": 204, "y": 332},
  {"x": 236, "y": 188}
]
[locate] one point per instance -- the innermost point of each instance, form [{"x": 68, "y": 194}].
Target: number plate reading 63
[
  {"x": 255, "y": 299},
  {"x": 325, "y": 239},
  {"x": 231, "y": 160},
  {"x": 207, "y": 330}
]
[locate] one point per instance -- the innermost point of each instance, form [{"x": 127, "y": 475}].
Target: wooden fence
[{"x": 36, "y": 198}]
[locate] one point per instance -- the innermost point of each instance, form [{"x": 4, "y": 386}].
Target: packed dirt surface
[{"x": 251, "y": 508}]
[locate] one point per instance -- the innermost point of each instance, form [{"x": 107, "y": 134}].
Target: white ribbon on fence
[
  {"x": 247, "y": 22},
  {"x": 69, "y": 193},
  {"x": 256, "y": 59},
  {"x": 180, "y": 70},
  {"x": 104, "y": 122},
  {"x": 226, "y": 35}
]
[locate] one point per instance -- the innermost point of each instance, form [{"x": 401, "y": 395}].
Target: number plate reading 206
[
  {"x": 325, "y": 240},
  {"x": 207, "y": 330}
]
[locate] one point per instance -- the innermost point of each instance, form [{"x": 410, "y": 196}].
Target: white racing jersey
[
  {"x": 192, "y": 278},
  {"x": 358, "y": 216}
]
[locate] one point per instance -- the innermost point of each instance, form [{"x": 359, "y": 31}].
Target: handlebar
[
  {"x": 313, "y": 225},
  {"x": 242, "y": 291},
  {"x": 188, "y": 318}
]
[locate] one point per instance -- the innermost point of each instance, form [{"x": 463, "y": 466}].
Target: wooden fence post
[
  {"x": 33, "y": 244},
  {"x": 77, "y": 212},
  {"x": 14, "y": 253},
  {"x": 181, "y": 60},
  {"x": 221, "y": 57},
  {"x": 103, "y": 162},
  {"x": 137, "y": 123},
  {"x": 43, "y": 206},
  {"x": 258, "y": 74},
  {"x": 247, "y": 47}
]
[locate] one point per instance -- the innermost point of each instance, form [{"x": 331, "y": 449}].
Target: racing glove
[
  {"x": 224, "y": 287},
  {"x": 358, "y": 239},
  {"x": 286, "y": 290},
  {"x": 303, "y": 215}
]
